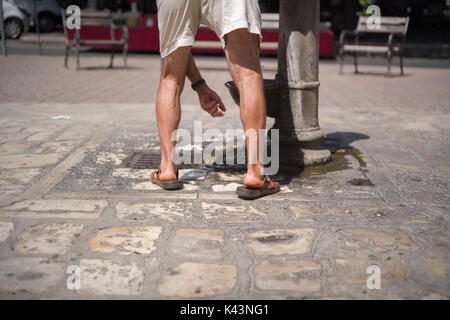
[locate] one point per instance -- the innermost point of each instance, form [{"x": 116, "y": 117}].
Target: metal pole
[
  {"x": 2, "y": 31},
  {"x": 298, "y": 75},
  {"x": 36, "y": 19}
]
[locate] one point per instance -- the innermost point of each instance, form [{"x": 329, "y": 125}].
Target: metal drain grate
[
  {"x": 145, "y": 160},
  {"x": 151, "y": 159}
]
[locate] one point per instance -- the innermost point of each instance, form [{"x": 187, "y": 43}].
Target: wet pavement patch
[
  {"x": 358, "y": 155},
  {"x": 340, "y": 160}
]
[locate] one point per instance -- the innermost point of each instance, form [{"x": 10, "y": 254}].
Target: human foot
[
  {"x": 169, "y": 181},
  {"x": 266, "y": 188},
  {"x": 252, "y": 181}
]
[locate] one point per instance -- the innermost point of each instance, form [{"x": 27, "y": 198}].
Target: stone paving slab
[
  {"x": 126, "y": 240},
  {"x": 108, "y": 277},
  {"x": 198, "y": 244},
  {"x": 48, "y": 239},
  {"x": 299, "y": 276},
  {"x": 27, "y": 275},
  {"x": 196, "y": 280},
  {"x": 28, "y": 160},
  {"x": 55, "y": 208},
  {"x": 5, "y": 230}
]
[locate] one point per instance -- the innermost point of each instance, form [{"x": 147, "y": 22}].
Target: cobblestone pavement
[{"x": 69, "y": 196}]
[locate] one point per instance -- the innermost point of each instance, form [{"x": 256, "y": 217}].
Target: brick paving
[{"x": 69, "y": 198}]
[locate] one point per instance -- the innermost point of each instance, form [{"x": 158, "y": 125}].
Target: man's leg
[
  {"x": 242, "y": 52},
  {"x": 168, "y": 112}
]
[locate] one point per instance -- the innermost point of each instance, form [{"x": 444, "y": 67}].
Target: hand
[{"x": 210, "y": 101}]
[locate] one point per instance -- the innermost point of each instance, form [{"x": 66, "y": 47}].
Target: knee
[{"x": 249, "y": 79}]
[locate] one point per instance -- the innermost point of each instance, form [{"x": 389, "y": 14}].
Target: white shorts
[{"x": 178, "y": 20}]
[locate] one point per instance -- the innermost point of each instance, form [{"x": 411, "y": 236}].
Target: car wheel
[
  {"x": 13, "y": 28},
  {"x": 46, "y": 23}
]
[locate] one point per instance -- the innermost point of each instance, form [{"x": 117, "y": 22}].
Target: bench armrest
[
  {"x": 391, "y": 39},
  {"x": 344, "y": 33},
  {"x": 125, "y": 32}
]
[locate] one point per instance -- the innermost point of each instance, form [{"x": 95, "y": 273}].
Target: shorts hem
[
  {"x": 174, "y": 45},
  {"x": 252, "y": 28}
]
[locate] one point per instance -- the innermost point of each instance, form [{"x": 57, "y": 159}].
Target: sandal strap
[{"x": 269, "y": 181}]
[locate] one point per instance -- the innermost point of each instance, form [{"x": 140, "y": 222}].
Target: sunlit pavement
[{"x": 72, "y": 205}]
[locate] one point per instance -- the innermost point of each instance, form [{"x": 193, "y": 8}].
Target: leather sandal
[
  {"x": 249, "y": 193},
  {"x": 166, "y": 184}
]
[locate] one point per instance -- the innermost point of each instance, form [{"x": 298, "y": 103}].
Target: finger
[
  {"x": 221, "y": 105},
  {"x": 214, "y": 111},
  {"x": 218, "y": 113}
]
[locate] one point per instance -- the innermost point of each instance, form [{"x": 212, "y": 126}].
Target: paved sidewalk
[{"x": 69, "y": 196}]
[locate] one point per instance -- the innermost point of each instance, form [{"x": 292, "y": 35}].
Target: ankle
[
  {"x": 168, "y": 173},
  {"x": 168, "y": 167},
  {"x": 255, "y": 171}
]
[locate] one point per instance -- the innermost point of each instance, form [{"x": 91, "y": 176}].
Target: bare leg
[
  {"x": 168, "y": 112},
  {"x": 242, "y": 52}
]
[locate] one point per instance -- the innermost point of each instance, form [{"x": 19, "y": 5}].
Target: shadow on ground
[{"x": 339, "y": 144}]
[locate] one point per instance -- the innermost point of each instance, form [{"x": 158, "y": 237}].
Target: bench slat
[
  {"x": 95, "y": 22},
  {"x": 375, "y": 49},
  {"x": 383, "y": 29},
  {"x": 89, "y": 18},
  {"x": 387, "y": 20},
  {"x": 387, "y": 25},
  {"x": 102, "y": 42}
]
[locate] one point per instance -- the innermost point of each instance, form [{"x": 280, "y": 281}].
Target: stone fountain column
[{"x": 298, "y": 76}]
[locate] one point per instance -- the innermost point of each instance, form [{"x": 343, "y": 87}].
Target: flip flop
[
  {"x": 166, "y": 184},
  {"x": 269, "y": 187}
]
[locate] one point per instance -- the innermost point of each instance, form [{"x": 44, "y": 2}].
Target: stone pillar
[{"x": 298, "y": 75}]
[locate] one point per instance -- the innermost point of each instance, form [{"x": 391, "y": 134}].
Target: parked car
[
  {"x": 49, "y": 13},
  {"x": 16, "y": 20}
]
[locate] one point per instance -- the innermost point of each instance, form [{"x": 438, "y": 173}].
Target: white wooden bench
[{"x": 395, "y": 27}]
